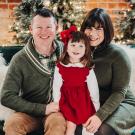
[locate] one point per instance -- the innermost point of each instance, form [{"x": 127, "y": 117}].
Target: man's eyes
[
  {"x": 39, "y": 27},
  {"x": 49, "y": 27}
]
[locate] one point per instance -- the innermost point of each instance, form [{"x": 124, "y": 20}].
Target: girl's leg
[
  {"x": 84, "y": 132},
  {"x": 78, "y": 130},
  {"x": 70, "y": 128}
]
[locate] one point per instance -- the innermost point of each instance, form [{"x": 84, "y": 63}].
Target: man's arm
[{"x": 11, "y": 89}]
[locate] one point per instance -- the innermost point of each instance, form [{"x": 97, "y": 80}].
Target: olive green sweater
[
  {"x": 112, "y": 69},
  {"x": 27, "y": 86}
]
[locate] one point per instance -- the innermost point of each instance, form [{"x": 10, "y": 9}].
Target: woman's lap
[{"x": 123, "y": 119}]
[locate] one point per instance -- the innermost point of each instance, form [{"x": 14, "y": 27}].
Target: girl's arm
[
  {"x": 93, "y": 89},
  {"x": 57, "y": 83}
]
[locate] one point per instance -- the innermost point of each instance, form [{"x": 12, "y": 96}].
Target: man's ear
[
  {"x": 56, "y": 24},
  {"x": 30, "y": 29},
  {"x": 57, "y": 27}
]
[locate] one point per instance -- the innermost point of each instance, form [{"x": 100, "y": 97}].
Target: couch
[{"x": 7, "y": 54}]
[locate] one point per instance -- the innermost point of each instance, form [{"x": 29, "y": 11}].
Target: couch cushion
[{"x": 9, "y": 51}]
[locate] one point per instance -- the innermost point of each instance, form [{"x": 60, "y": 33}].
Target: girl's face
[
  {"x": 76, "y": 51},
  {"x": 96, "y": 35}
]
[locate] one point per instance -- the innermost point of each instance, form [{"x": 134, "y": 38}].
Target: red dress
[{"x": 75, "y": 102}]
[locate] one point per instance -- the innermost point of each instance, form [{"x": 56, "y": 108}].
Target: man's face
[{"x": 43, "y": 30}]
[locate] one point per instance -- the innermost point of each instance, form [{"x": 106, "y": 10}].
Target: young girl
[{"x": 75, "y": 85}]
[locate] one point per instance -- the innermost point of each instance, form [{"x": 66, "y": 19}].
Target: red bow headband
[{"x": 66, "y": 35}]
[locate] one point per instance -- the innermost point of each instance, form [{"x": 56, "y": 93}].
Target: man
[{"x": 27, "y": 87}]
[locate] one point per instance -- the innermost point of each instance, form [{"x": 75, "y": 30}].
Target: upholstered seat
[{"x": 8, "y": 52}]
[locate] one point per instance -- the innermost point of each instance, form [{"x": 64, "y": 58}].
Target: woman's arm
[{"x": 121, "y": 70}]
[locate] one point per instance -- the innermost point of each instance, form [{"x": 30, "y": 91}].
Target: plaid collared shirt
[{"x": 50, "y": 61}]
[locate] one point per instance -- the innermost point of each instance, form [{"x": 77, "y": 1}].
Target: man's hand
[
  {"x": 92, "y": 124},
  {"x": 52, "y": 107}
]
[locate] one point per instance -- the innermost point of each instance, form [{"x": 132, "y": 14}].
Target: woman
[{"x": 112, "y": 69}]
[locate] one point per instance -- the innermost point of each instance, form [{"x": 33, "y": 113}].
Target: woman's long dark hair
[{"x": 99, "y": 16}]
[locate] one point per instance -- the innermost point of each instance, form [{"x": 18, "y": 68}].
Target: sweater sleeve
[
  {"x": 93, "y": 89},
  {"x": 57, "y": 83},
  {"x": 121, "y": 70},
  {"x": 10, "y": 96}
]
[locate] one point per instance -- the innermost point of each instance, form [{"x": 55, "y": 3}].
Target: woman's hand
[{"x": 92, "y": 124}]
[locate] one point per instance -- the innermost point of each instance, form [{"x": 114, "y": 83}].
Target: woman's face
[{"x": 96, "y": 35}]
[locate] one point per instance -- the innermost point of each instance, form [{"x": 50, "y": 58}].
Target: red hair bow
[{"x": 66, "y": 35}]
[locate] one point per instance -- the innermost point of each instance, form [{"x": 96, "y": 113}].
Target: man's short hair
[{"x": 44, "y": 12}]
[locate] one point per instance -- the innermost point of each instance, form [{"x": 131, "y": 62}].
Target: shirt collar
[
  {"x": 79, "y": 64},
  {"x": 44, "y": 56}
]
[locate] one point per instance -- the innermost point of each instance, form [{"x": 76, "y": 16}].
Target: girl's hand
[
  {"x": 92, "y": 124},
  {"x": 52, "y": 107}
]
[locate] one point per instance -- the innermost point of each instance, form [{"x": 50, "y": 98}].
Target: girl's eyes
[
  {"x": 81, "y": 46},
  {"x": 72, "y": 44}
]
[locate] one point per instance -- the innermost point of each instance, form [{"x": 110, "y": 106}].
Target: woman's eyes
[{"x": 93, "y": 28}]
